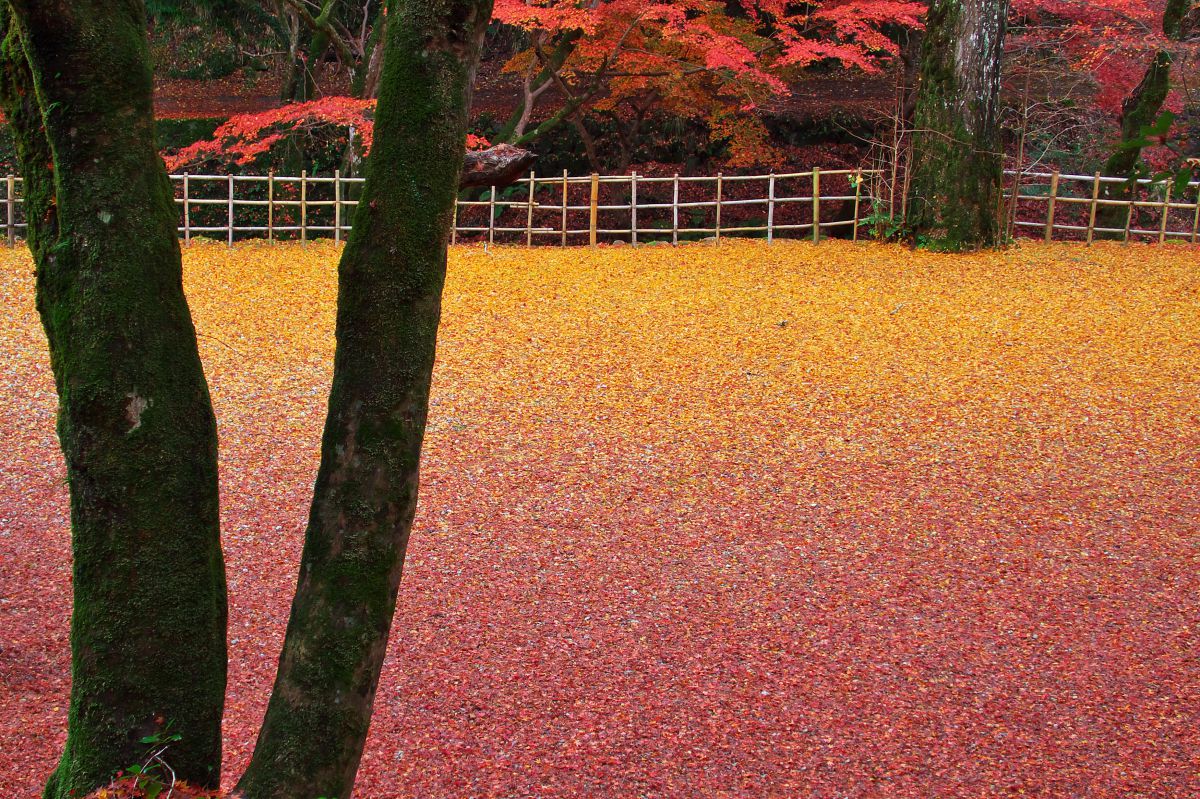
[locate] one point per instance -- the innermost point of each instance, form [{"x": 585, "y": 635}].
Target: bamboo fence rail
[{"x": 565, "y": 209}]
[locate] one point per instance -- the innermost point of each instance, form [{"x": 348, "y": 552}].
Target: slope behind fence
[{"x": 565, "y": 210}]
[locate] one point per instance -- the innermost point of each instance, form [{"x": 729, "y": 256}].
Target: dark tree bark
[
  {"x": 135, "y": 421},
  {"x": 957, "y": 160},
  {"x": 389, "y": 305},
  {"x": 496, "y": 166},
  {"x": 1139, "y": 111}
]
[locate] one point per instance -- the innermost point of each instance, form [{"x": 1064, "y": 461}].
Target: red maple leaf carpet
[{"x": 735, "y": 521}]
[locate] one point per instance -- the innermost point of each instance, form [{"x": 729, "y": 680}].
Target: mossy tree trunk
[
  {"x": 1139, "y": 111},
  {"x": 134, "y": 420},
  {"x": 389, "y": 305},
  {"x": 957, "y": 159}
]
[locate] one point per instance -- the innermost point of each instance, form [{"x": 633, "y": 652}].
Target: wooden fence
[
  {"x": 1070, "y": 207},
  {"x": 634, "y": 208}
]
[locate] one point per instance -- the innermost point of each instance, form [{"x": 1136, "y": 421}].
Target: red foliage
[
  {"x": 696, "y": 59},
  {"x": 245, "y": 138},
  {"x": 1110, "y": 40}
]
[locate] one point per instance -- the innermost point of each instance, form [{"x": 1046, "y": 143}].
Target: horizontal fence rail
[
  {"x": 641, "y": 209},
  {"x": 1062, "y": 206}
]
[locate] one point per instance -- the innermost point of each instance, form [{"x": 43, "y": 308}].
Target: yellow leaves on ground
[{"x": 716, "y": 520}]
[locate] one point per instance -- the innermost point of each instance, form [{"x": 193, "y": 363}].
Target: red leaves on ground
[{"x": 736, "y": 521}]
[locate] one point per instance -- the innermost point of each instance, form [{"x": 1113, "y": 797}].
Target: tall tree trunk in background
[
  {"x": 376, "y": 45},
  {"x": 1139, "y": 111},
  {"x": 957, "y": 160},
  {"x": 134, "y": 420},
  {"x": 389, "y": 306}
]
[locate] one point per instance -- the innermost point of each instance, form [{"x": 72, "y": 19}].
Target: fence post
[
  {"x": 529, "y": 210},
  {"x": 230, "y": 240},
  {"x": 771, "y": 209},
  {"x": 271, "y": 206},
  {"x": 594, "y": 210},
  {"x": 1196, "y": 219},
  {"x": 675, "y": 212},
  {"x": 633, "y": 222},
  {"x": 337, "y": 205},
  {"x": 304, "y": 205},
  {"x": 858, "y": 181},
  {"x": 492, "y": 216},
  {"x": 1162, "y": 230},
  {"x": 454, "y": 223},
  {"x": 1049, "y": 236},
  {"x": 816, "y": 205},
  {"x": 1091, "y": 231},
  {"x": 566, "y": 193},
  {"x": 10, "y": 201},
  {"x": 1132, "y": 208},
  {"x": 720, "y": 187},
  {"x": 187, "y": 211}
]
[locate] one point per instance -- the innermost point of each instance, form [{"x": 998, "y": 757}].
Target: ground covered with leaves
[{"x": 735, "y": 521}]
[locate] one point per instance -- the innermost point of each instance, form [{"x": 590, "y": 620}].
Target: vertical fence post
[
  {"x": 1091, "y": 231},
  {"x": 454, "y": 223},
  {"x": 1162, "y": 230},
  {"x": 529, "y": 209},
  {"x": 594, "y": 210},
  {"x": 337, "y": 205},
  {"x": 492, "y": 216},
  {"x": 720, "y": 189},
  {"x": 858, "y": 182},
  {"x": 1132, "y": 208},
  {"x": 271, "y": 206},
  {"x": 11, "y": 203},
  {"x": 675, "y": 212},
  {"x": 230, "y": 225},
  {"x": 1196, "y": 219},
  {"x": 566, "y": 193},
  {"x": 771, "y": 209},
  {"x": 633, "y": 200},
  {"x": 304, "y": 205},
  {"x": 1049, "y": 234},
  {"x": 816, "y": 205},
  {"x": 187, "y": 210}
]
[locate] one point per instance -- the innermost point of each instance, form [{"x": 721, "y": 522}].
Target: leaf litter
[{"x": 736, "y": 520}]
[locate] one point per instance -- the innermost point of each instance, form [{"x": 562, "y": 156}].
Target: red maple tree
[{"x": 713, "y": 62}]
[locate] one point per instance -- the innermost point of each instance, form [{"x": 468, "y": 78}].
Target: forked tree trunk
[
  {"x": 134, "y": 420},
  {"x": 389, "y": 305},
  {"x": 957, "y": 161}
]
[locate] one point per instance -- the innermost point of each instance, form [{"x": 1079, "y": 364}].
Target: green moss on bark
[
  {"x": 956, "y": 166},
  {"x": 389, "y": 305},
  {"x": 135, "y": 421},
  {"x": 1139, "y": 111}
]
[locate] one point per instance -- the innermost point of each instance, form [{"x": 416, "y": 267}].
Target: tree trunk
[
  {"x": 389, "y": 304},
  {"x": 369, "y": 88},
  {"x": 514, "y": 130},
  {"x": 957, "y": 160},
  {"x": 1139, "y": 111},
  {"x": 135, "y": 421}
]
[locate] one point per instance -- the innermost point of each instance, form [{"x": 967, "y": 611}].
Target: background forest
[{"x": 694, "y": 86}]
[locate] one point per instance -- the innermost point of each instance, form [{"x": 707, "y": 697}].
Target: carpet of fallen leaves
[{"x": 735, "y": 521}]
